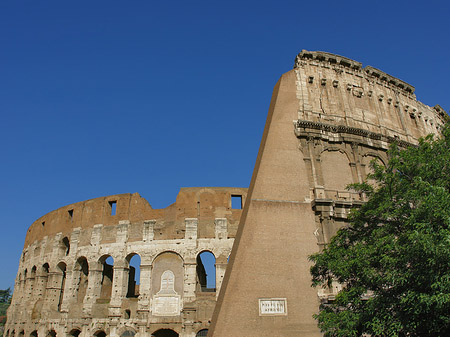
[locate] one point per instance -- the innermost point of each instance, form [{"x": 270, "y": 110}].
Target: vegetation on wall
[
  {"x": 393, "y": 260},
  {"x": 5, "y": 300}
]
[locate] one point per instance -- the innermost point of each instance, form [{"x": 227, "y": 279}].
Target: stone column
[
  {"x": 190, "y": 280},
  {"x": 221, "y": 266},
  {"x": 93, "y": 290},
  {"x": 119, "y": 288},
  {"x": 145, "y": 286}
]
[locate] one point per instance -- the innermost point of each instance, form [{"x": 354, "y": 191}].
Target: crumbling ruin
[{"x": 328, "y": 118}]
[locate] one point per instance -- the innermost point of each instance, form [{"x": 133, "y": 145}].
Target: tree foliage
[
  {"x": 5, "y": 300},
  {"x": 393, "y": 259}
]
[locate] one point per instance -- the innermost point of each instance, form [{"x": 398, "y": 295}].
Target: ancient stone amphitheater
[{"x": 328, "y": 118}]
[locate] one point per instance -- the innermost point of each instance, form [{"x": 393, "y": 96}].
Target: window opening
[
  {"x": 70, "y": 211},
  {"x": 134, "y": 274},
  {"x": 43, "y": 223},
  {"x": 165, "y": 333},
  {"x": 66, "y": 245},
  {"x": 83, "y": 273},
  {"x": 100, "y": 333},
  {"x": 202, "y": 333},
  {"x": 206, "y": 271},
  {"x": 107, "y": 277},
  {"x": 127, "y": 314},
  {"x": 113, "y": 207},
  {"x": 236, "y": 201},
  {"x": 62, "y": 269},
  {"x": 74, "y": 332}
]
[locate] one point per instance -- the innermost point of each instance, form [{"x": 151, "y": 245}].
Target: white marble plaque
[
  {"x": 272, "y": 306},
  {"x": 166, "y": 305},
  {"x": 166, "y": 302}
]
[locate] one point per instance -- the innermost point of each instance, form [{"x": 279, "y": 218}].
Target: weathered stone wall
[
  {"x": 328, "y": 118},
  {"x": 67, "y": 284}
]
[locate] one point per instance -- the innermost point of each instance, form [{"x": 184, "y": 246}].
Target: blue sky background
[{"x": 106, "y": 97}]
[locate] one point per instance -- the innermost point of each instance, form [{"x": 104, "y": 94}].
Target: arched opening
[
  {"x": 51, "y": 333},
  {"x": 82, "y": 273},
  {"x": 21, "y": 333},
  {"x": 164, "y": 333},
  {"x": 127, "y": 314},
  {"x": 107, "y": 276},
  {"x": 128, "y": 333},
  {"x": 206, "y": 272},
  {"x": 61, "y": 268},
  {"x": 202, "y": 333},
  {"x": 134, "y": 274},
  {"x": 65, "y": 246},
  {"x": 32, "y": 279},
  {"x": 74, "y": 332},
  {"x": 44, "y": 276},
  {"x": 34, "y": 333},
  {"x": 100, "y": 333}
]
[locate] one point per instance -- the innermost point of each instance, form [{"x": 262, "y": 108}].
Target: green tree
[{"x": 393, "y": 259}]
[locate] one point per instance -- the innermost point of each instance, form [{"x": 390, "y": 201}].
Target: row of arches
[
  {"x": 101, "y": 333},
  {"x": 35, "y": 284}
]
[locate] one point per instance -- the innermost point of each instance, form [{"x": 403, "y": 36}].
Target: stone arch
[
  {"x": 34, "y": 333},
  {"x": 367, "y": 158},
  {"x": 100, "y": 333},
  {"x": 165, "y": 333},
  {"x": 45, "y": 269},
  {"x": 106, "y": 283},
  {"x": 81, "y": 277},
  {"x": 32, "y": 279},
  {"x": 172, "y": 251},
  {"x": 64, "y": 246},
  {"x": 335, "y": 168},
  {"x": 134, "y": 272},
  {"x": 127, "y": 331},
  {"x": 51, "y": 333},
  {"x": 75, "y": 332},
  {"x": 202, "y": 333},
  {"x": 167, "y": 268},
  {"x": 206, "y": 271}
]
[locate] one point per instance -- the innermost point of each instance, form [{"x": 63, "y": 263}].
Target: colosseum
[{"x": 328, "y": 119}]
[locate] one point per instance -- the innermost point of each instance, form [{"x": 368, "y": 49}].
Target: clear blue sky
[{"x": 106, "y": 97}]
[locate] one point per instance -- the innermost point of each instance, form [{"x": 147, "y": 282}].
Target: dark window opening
[
  {"x": 165, "y": 333},
  {"x": 62, "y": 271},
  {"x": 75, "y": 332},
  {"x": 43, "y": 223},
  {"x": 66, "y": 245},
  {"x": 236, "y": 201},
  {"x": 127, "y": 314},
  {"x": 128, "y": 333},
  {"x": 100, "y": 333},
  {"x": 70, "y": 211},
  {"x": 202, "y": 333},
  {"x": 113, "y": 207}
]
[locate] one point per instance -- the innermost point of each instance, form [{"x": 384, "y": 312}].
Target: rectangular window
[
  {"x": 70, "y": 211},
  {"x": 113, "y": 206},
  {"x": 236, "y": 201}
]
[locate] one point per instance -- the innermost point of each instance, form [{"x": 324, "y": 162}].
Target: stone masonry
[
  {"x": 75, "y": 277},
  {"x": 328, "y": 119}
]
